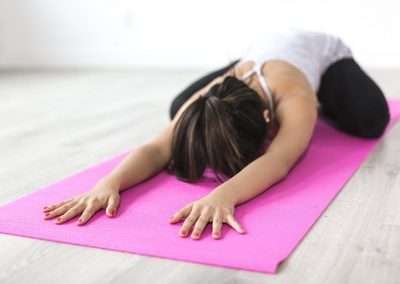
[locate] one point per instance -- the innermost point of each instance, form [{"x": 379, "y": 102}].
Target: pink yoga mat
[{"x": 276, "y": 221}]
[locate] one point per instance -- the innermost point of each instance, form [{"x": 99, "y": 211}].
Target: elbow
[
  {"x": 289, "y": 165},
  {"x": 284, "y": 172},
  {"x": 282, "y": 169},
  {"x": 158, "y": 155},
  {"x": 279, "y": 167}
]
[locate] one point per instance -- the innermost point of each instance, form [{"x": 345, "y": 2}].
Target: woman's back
[{"x": 311, "y": 52}]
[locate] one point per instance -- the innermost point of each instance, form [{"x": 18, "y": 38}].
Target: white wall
[{"x": 182, "y": 33}]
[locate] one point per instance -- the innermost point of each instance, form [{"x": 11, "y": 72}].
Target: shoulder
[
  {"x": 286, "y": 80},
  {"x": 295, "y": 98}
]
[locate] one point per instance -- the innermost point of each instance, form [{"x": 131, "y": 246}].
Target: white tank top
[{"x": 311, "y": 52}]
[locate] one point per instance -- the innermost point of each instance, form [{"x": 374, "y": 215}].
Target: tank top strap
[
  {"x": 257, "y": 69},
  {"x": 266, "y": 89},
  {"x": 250, "y": 72}
]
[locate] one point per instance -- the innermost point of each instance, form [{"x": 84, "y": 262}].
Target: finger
[
  {"x": 72, "y": 212},
  {"x": 58, "y": 211},
  {"x": 234, "y": 224},
  {"x": 181, "y": 214},
  {"x": 188, "y": 223},
  {"x": 201, "y": 223},
  {"x": 112, "y": 205},
  {"x": 54, "y": 206},
  {"x": 217, "y": 225},
  {"x": 88, "y": 212}
]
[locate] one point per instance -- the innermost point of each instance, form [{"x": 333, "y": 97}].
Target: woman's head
[{"x": 223, "y": 130}]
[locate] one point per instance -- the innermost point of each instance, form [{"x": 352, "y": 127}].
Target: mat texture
[{"x": 276, "y": 221}]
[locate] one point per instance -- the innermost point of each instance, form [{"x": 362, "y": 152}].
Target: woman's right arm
[{"x": 142, "y": 163}]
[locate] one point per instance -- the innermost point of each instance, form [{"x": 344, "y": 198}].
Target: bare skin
[
  {"x": 281, "y": 76},
  {"x": 218, "y": 207},
  {"x": 104, "y": 195},
  {"x": 291, "y": 91}
]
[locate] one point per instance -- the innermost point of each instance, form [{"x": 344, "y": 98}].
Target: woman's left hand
[{"x": 213, "y": 208}]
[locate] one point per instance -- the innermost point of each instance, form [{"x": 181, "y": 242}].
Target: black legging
[{"x": 349, "y": 98}]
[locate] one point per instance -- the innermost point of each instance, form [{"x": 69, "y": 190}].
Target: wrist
[
  {"x": 225, "y": 193},
  {"x": 112, "y": 182}
]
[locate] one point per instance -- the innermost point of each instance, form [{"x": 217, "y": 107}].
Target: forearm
[
  {"x": 253, "y": 179},
  {"x": 140, "y": 164}
]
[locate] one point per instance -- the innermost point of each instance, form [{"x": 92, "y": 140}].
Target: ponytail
[{"x": 223, "y": 129}]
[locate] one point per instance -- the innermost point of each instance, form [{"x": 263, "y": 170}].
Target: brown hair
[{"x": 223, "y": 130}]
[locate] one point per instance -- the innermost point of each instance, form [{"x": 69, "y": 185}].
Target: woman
[{"x": 272, "y": 95}]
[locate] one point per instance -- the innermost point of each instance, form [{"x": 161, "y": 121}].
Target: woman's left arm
[{"x": 297, "y": 116}]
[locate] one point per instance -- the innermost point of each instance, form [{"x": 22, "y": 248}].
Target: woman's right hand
[{"x": 104, "y": 194}]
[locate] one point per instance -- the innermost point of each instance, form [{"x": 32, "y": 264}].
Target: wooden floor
[{"x": 53, "y": 124}]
